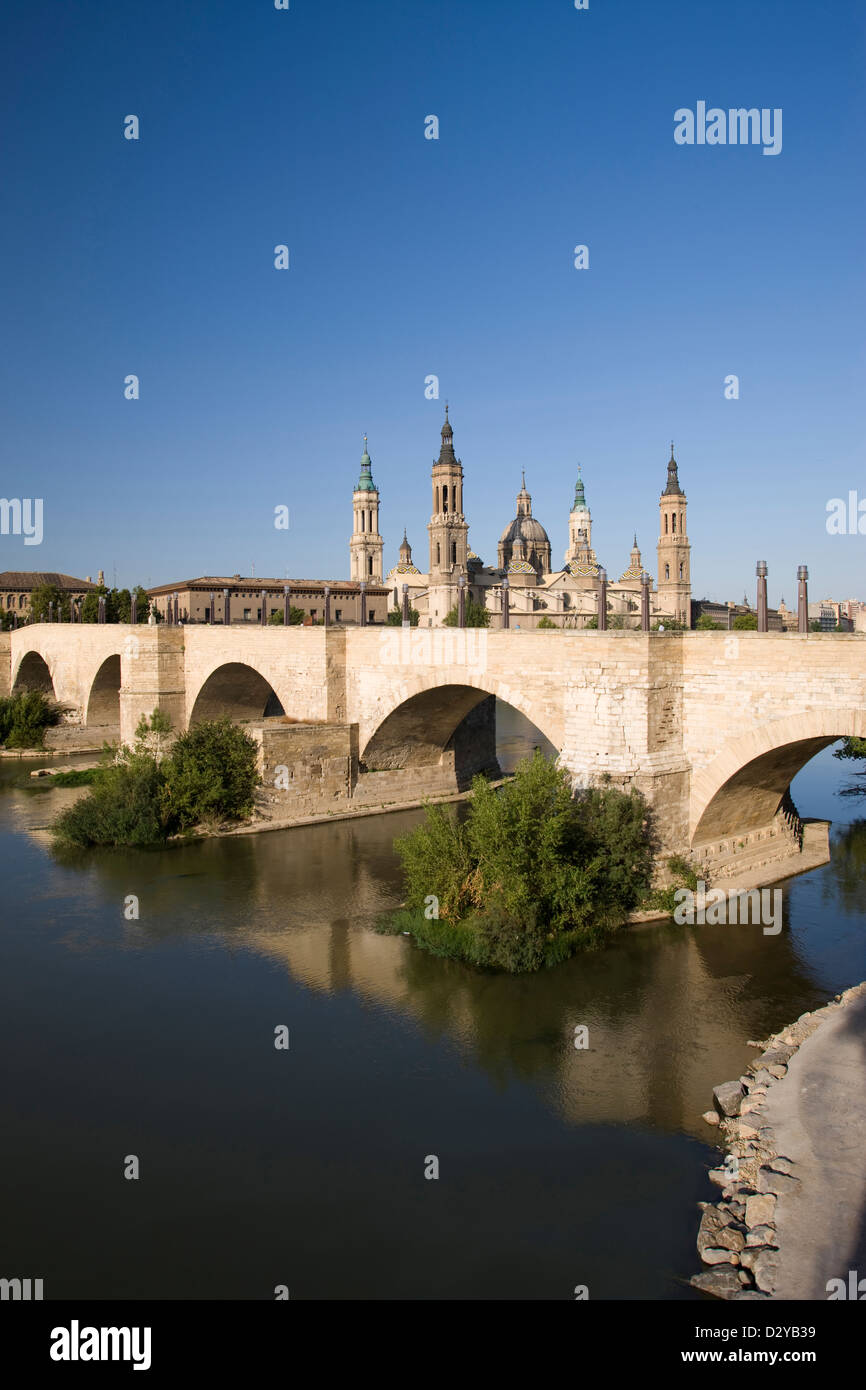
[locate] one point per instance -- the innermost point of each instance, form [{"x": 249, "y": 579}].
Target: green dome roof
[{"x": 365, "y": 482}]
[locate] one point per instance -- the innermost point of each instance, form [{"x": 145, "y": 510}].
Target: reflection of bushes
[
  {"x": 855, "y": 750},
  {"x": 533, "y": 873},
  {"x": 847, "y": 883},
  {"x": 24, "y": 717}
]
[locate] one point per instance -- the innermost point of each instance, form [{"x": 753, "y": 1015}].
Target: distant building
[
  {"x": 566, "y": 597},
  {"x": 203, "y": 600},
  {"x": 16, "y": 588}
]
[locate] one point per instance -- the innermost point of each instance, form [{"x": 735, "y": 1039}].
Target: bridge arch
[
  {"x": 34, "y": 673},
  {"x": 103, "y": 701},
  {"x": 236, "y": 690},
  {"x": 742, "y": 787},
  {"x": 427, "y": 715}
]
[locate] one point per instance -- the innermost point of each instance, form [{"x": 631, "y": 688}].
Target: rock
[
  {"x": 761, "y": 1235},
  {"x": 716, "y": 1232},
  {"x": 750, "y": 1293},
  {"x": 720, "y": 1176},
  {"x": 769, "y": 1181},
  {"x": 776, "y": 1054},
  {"x": 747, "y": 1131},
  {"x": 782, "y": 1164},
  {"x": 728, "y": 1097},
  {"x": 723, "y": 1283},
  {"x": 778, "y": 1071},
  {"x": 763, "y": 1078},
  {"x": 714, "y": 1255},
  {"x": 760, "y": 1210},
  {"x": 765, "y": 1270},
  {"x": 711, "y": 1117},
  {"x": 743, "y": 1276},
  {"x": 737, "y": 1209}
]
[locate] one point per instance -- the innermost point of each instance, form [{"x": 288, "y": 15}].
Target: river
[{"x": 305, "y": 1166}]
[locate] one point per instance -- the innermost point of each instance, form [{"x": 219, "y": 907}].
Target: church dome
[
  {"x": 519, "y": 567},
  {"x": 525, "y": 527}
]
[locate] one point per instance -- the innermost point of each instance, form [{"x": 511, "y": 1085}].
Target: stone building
[
  {"x": 366, "y": 546},
  {"x": 204, "y": 600},
  {"x": 567, "y": 597},
  {"x": 16, "y": 588}
]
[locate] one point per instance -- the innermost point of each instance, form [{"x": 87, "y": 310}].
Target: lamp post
[
  {"x": 264, "y": 609},
  {"x": 802, "y": 598},
  {"x": 506, "y": 616},
  {"x": 644, "y": 601},
  {"x": 227, "y": 617},
  {"x": 287, "y": 607},
  {"x": 407, "y": 622},
  {"x": 133, "y": 608},
  {"x": 176, "y": 614},
  {"x": 602, "y": 600},
  {"x": 761, "y": 572},
  {"x": 363, "y": 588},
  {"x": 100, "y": 609},
  {"x": 327, "y": 606},
  {"x": 461, "y": 601}
]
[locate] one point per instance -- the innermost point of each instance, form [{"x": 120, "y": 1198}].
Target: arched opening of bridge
[
  {"x": 238, "y": 691},
  {"x": 33, "y": 674},
  {"x": 103, "y": 706},
  {"x": 752, "y": 796},
  {"x": 441, "y": 738}
]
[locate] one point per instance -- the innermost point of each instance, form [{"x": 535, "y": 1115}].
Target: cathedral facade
[{"x": 524, "y": 576}]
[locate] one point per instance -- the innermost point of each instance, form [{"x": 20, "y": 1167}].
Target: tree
[
  {"x": 706, "y": 623},
  {"x": 476, "y": 615},
  {"x": 853, "y": 749},
  {"x": 395, "y": 617},
  {"x": 545, "y": 622},
  {"x": 277, "y": 618},
  {"x": 531, "y": 872},
  {"x": 210, "y": 774},
  {"x": 746, "y": 622},
  {"x": 668, "y": 625},
  {"x": 42, "y": 596}
]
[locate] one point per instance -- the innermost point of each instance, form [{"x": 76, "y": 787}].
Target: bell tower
[
  {"x": 366, "y": 546},
  {"x": 447, "y": 528},
  {"x": 674, "y": 584}
]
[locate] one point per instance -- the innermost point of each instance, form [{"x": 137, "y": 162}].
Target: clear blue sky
[{"x": 411, "y": 257}]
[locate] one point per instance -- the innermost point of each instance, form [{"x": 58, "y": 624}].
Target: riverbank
[{"x": 791, "y": 1218}]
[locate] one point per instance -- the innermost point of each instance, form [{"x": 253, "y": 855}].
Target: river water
[{"x": 305, "y": 1166}]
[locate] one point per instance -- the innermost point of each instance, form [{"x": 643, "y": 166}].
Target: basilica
[{"x": 524, "y": 576}]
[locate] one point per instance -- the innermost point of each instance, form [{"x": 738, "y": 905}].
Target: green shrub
[
  {"x": 123, "y": 808},
  {"x": 475, "y": 614},
  {"x": 24, "y": 717},
  {"x": 209, "y": 775},
  {"x": 533, "y": 872}
]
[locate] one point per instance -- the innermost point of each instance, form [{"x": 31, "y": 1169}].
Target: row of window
[
  {"x": 673, "y": 521},
  {"x": 441, "y": 505},
  {"x": 682, "y": 570},
  {"x": 453, "y": 553}
]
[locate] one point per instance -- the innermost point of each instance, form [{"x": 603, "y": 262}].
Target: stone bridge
[{"x": 711, "y": 726}]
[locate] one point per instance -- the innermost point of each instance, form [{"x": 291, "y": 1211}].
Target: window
[
  {"x": 666, "y": 523},
  {"x": 370, "y": 521},
  {"x": 362, "y": 521},
  {"x": 312, "y": 612},
  {"x": 682, "y": 569},
  {"x": 338, "y": 613},
  {"x": 454, "y": 552},
  {"x": 247, "y": 615},
  {"x": 369, "y": 564},
  {"x": 667, "y": 571},
  {"x": 445, "y": 498},
  {"x": 674, "y": 522},
  {"x": 438, "y": 554},
  {"x": 371, "y": 616}
]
